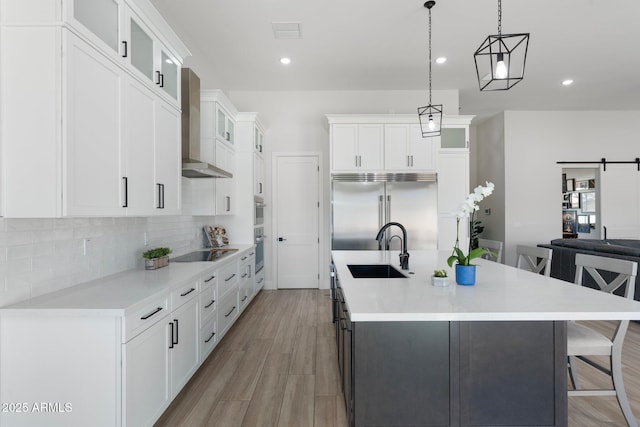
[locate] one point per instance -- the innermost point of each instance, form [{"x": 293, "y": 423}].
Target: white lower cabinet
[
  {"x": 246, "y": 280},
  {"x": 259, "y": 281},
  {"x": 208, "y": 338},
  {"x": 120, "y": 366},
  {"x": 146, "y": 382},
  {"x": 228, "y": 310},
  {"x": 183, "y": 345}
]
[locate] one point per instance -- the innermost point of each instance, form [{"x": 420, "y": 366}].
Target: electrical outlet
[
  {"x": 87, "y": 246},
  {"x": 487, "y": 211}
]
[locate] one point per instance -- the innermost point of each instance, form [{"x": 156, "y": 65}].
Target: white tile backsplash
[{"x": 39, "y": 256}]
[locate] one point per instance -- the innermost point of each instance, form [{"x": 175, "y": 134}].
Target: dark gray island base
[{"x": 504, "y": 373}]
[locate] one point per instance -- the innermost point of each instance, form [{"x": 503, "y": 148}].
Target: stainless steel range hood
[{"x": 192, "y": 164}]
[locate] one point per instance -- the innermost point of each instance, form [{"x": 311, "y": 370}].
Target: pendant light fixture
[
  {"x": 431, "y": 115},
  {"x": 500, "y": 59}
]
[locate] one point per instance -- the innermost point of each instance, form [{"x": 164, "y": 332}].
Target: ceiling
[{"x": 382, "y": 45}]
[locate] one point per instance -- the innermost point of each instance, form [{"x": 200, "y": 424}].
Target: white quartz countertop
[
  {"x": 120, "y": 293},
  {"x": 501, "y": 293}
]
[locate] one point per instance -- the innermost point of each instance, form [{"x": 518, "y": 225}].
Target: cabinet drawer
[
  {"x": 228, "y": 276},
  {"x": 208, "y": 304},
  {"x": 208, "y": 338},
  {"x": 184, "y": 293},
  {"x": 144, "y": 317},
  {"x": 228, "y": 310},
  {"x": 259, "y": 283},
  {"x": 209, "y": 279}
]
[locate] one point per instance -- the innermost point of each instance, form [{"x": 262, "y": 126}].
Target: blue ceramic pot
[{"x": 465, "y": 275}]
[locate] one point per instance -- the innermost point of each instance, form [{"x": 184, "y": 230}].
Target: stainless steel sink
[{"x": 374, "y": 271}]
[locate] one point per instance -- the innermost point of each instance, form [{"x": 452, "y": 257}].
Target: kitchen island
[{"x": 493, "y": 354}]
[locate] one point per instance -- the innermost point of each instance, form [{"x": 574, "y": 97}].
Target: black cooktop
[{"x": 201, "y": 256}]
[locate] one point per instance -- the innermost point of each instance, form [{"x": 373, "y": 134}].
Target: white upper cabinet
[
  {"x": 357, "y": 147},
  {"x": 406, "y": 150},
  {"x": 225, "y": 125},
  {"x": 101, "y": 18},
  {"x": 150, "y": 58},
  {"x": 91, "y": 184},
  {"x": 139, "y": 48},
  {"x": 104, "y": 87},
  {"x": 138, "y": 172},
  {"x": 168, "y": 170},
  {"x": 258, "y": 140}
]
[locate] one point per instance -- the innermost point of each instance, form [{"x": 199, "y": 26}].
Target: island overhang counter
[{"x": 490, "y": 354}]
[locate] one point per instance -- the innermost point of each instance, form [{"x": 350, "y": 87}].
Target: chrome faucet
[{"x": 404, "y": 255}]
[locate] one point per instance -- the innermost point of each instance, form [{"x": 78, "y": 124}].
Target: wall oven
[
  {"x": 258, "y": 233},
  {"x": 258, "y": 210}
]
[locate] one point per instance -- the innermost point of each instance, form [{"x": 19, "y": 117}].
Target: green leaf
[{"x": 477, "y": 253}]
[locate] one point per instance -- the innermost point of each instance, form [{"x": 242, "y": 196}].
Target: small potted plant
[
  {"x": 440, "y": 278},
  {"x": 156, "y": 258}
]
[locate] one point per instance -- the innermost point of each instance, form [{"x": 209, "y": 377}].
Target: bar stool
[
  {"x": 534, "y": 259},
  {"x": 583, "y": 341}
]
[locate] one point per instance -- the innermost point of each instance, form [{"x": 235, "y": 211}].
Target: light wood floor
[{"x": 277, "y": 366}]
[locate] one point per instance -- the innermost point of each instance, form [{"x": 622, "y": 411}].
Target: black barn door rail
[{"x": 604, "y": 162}]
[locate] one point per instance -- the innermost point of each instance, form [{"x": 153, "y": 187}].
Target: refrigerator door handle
[
  {"x": 380, "y": 214},
  {"x": 388, "y": 213}
]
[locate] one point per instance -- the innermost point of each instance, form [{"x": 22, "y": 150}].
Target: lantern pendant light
[
  {"x": 430, "y": 116},
  {"x": 501, "y": 58}
]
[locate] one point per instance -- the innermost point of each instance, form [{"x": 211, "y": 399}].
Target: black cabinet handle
[
  {"x": 210, "y": 337},
  {"x": 158, "y": 77},
  {"x": 229, "y": 313},
  {"x": 228, "y": 203},
  {"x": 188, "y": 292},
  {"x": 281, "y": 239},
  {"x": 171, "y": 344},
  {"x": 146, "y": 316},
  {"x": 260, "y": 281},
  {"x": 209, "y": 279},
  {"x": 244, "y": 275},
  {"x": 176, "y": 320},
  {"x": 161, "y": 80},
  {"x": 126, "y": 53},
  {"x": 260, "y": 185},
  {"x": 125, "y": 180},
  {"x": 227, "y": 136},
  {"x": 244, "y": 257},
  {"x": 245, "y": 298},
  {"x": 160, "y": 196},
  {"x": 210, "y": 304},
  {"x": 230, "y": 277},
  {"x": 252, "y": 253}
]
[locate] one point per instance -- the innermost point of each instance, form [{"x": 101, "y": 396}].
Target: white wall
[
  {"x": 296, "y": 122},
  {"x": 533, "y": 142}
]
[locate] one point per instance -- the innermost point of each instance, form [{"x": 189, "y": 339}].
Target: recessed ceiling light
[
  {"x": 441, "y": 60},
  {"x": 285, "y": 61},
  {"x": 567, "y": 82}
]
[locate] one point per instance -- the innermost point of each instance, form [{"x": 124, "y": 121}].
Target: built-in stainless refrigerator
[{"x": 362, "y": 203}]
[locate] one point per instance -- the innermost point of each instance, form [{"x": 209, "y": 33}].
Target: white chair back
[
  {"x": 494, "y": 246},
  {"x": 626, "y": 270},
  {"x": 534, "y": 259}
]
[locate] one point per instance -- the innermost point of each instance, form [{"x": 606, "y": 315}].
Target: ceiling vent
[{"x": 287, "y": 30}]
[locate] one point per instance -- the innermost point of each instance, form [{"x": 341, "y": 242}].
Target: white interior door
[
  {"x": 619, "y": 200},
  {"x": 296, "y": 210}
]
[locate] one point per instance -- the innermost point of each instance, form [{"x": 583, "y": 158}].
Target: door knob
[{"x": 281, "y": 239}]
